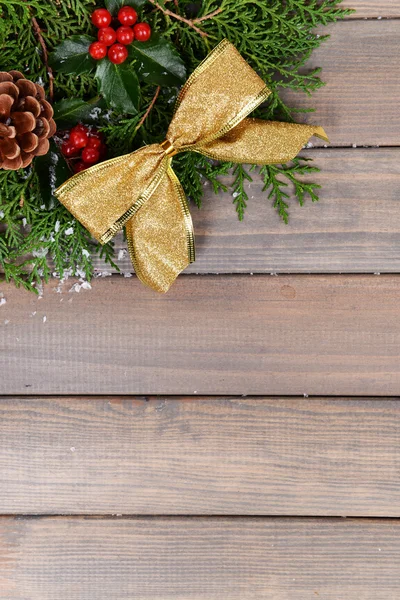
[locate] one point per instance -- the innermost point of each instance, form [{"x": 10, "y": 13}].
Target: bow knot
[
  {"x": 141, "y": 191},
  {"x": 169, "y": 148}
]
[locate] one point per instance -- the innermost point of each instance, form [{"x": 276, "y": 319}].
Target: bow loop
[
  {"x": 141, "y": 191},
  {"x": 221, "y": 92}
]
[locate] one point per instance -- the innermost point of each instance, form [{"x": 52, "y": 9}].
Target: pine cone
[{"x": 26, "y": 122}]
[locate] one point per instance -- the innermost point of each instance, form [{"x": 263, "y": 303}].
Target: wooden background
[{"x": 237, "y": 438}]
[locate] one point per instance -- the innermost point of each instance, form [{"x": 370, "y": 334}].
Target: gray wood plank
[
  {"x": 199, "y": 559},
  {"x": 359, "y": 104},
  {"x": 285, "y": 335},
  {"x": 373, "y": 9},
  {"x": 215, "y": 456},
  {"x": 354, "y": 228}
]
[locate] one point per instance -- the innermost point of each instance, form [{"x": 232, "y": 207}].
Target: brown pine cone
[{"x": 26, "y": 122}]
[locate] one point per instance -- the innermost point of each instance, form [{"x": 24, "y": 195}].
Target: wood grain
[
  {"x": 199, "y": 559},
  {"x": 355, "y": 228},
  {"x": 359, "y": 104},
  {"x": 215, "y": 456},
  {"x": 373, "y": 9},
  {"x": 285, "y": 335}
]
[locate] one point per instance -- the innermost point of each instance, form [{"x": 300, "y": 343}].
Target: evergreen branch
[
  {"x": 278, "y": 188},
  {"x": 49, "y": 70},
  {"x": 240, "y": 196},
  {"x": 211, "y": 15},
  {"x": 189, "y": 22},
  {"x": 149, "y": 109}
]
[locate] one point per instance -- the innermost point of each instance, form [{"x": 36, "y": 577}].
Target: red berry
[
  {"x": 94, "y": 142},
  {"x": 101, "y": 18},
  {"x": 90, "y": 155},
  {"x": 142, "y": 32},
  {"x": 118, "y": 54},
  {"x": 80, "y": 166},
  {"x": 125, "y": 35},
  {"x": 107, "y": 35},
  {"x": 127, "y": 16},
  {"x": 69, "y": 149},
  {"x": 94, "y": 133},
  {"x": 78, "y": 138},
  {"x": 97, "y": 50},
  {"x": 80, "y": 127}
]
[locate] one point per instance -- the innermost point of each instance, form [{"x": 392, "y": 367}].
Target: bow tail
[
  {"x": 255, "y": 141},
  {"x": 160, "y": 235}
]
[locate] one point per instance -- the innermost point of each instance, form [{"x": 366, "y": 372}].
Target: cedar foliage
[{"x": 275, "y": 37}]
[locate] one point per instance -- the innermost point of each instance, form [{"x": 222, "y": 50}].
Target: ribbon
[{"x": 140, "y": 191}]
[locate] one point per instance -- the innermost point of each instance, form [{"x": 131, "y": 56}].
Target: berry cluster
[
  {"x": 84, "y": 143},
  {"x": 112, "y": 42}
]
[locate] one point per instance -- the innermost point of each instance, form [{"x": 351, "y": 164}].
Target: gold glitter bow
[{"x": 141, "y": 191}]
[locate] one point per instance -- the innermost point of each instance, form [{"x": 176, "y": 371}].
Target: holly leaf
[
  {"x": 72, "y": 55},
  {"x": 158, "y": 62},
  {"x": 52, "y": 170},
  {"x": 119, "y": 86},
  {"x": 70, "y": 111},
  {"x": 113, "y": 6}
]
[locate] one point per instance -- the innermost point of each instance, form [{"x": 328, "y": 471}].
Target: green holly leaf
[
  {"x": 119, "y": 86},
  {"x": 52, "y": 170},
  {"x": 113, "y": 6},
  {"x": 158, "y": 62},
  {"x": 70, "y": 111},
  {"x": 72, "y": 55}
]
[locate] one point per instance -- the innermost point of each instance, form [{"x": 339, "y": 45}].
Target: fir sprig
[{"x": 275, "y": 37}]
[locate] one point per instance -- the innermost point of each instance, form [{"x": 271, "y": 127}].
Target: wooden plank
[
  {"x": 199, "y": 559},
  {"x": 373, "y": 9},
  {"x": 359, "y": 104},
  {"x": 285, "y": 335},
  {"x": 355, "y": 228},
  {"x": 215, "y": 456}
]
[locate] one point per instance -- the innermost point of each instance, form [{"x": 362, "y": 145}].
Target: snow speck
[
  {"x": 40, "y": 252},
  {"x": 102, "y": 273},
  {"x": 127, "y": 275},
  {"x": 6, "y": 321},
  {"x": 95, "y": 113},
  {"x": 57, "y": 226},
  {"x": 44, "y": 319},
  {"x": 81, "y": 285},
  {"x": 122, "y": 254},
  {"x": 69, "y": 231},
  {"x": 86, "y": 253},
  {"x": 1, "y": 214},
  {"x": 73, "y": 449}
]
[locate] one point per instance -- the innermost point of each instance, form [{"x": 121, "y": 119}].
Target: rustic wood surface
[
  {"x": 359, "y": 104},
  {"x": 199, "y": 559},
  {"x": 373, "y": 9},
  {"x": 290, "y": 335},
  {"x": 269, "y": 462},
  {"x": 354, "y": 228},
  {"x": 239, "y": 456}
]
